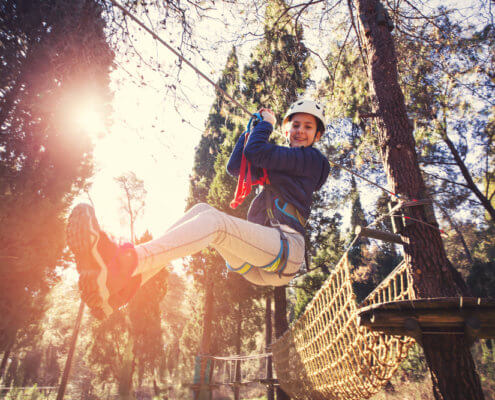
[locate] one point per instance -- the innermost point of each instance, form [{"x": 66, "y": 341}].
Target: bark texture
[{"x": 450, "y": 361}]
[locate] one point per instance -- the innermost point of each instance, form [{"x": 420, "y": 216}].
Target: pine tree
[
  {"x": 279, "y": 70},
  {"x": 209, "y": 267}
]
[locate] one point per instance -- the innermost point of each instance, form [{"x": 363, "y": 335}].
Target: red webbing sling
[{"x": 245, "y": 182}]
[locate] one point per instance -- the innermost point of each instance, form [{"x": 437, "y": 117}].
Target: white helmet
[{"x": 306, "y": 106}]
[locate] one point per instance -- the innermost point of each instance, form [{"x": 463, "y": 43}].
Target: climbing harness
[
  {"x": 274, "y": 222},
  {"x": 277, "y": 265}
]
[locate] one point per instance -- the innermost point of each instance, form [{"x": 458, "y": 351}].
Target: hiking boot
[{"x": 105, "y": 267}]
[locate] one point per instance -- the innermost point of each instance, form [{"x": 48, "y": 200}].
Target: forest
[{"x": 401, "y": 80}]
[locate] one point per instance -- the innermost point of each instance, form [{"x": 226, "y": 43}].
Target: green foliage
[
  {"x": 232, "y": 295},
  {"x": 446, "y": 84},
  {"x": 306, "y": 289},
  {"x": 222, "y": 120},
  {"x": 484, "y": 354},
  {"x": 51, "y": 51},
  {"x": 279, "y": 70},
  {"x": 414, "y": 366}
]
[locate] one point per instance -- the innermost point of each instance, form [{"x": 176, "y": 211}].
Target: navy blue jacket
[{"x": 294, "y": 173}]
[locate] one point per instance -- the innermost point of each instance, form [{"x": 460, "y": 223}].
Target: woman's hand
[{"x": 268, "y": 116}]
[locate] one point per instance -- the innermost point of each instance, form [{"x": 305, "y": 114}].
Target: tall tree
[
  {"x": 222, "y": 120},
  {"x": 433, "y": 274},
  {"x": 133, "y": 199},
  {"x": 52, "y": 53}
]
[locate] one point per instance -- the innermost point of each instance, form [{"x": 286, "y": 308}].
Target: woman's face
[{"x": 302, "y": 130}]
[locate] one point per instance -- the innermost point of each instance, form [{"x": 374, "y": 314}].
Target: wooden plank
[
  {"x": 265, "y": 381},
  {"x": 474, "y": 317}
]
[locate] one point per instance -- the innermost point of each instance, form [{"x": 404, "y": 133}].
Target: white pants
[{"x": 237, "y": 240}]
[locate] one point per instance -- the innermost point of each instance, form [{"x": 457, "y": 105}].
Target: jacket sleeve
[
  {"x": 234, "y": 164},
  {"x": 300, "y": 161}
]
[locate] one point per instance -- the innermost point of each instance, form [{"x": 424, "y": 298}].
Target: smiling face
[{"x": 303, "y": 130}]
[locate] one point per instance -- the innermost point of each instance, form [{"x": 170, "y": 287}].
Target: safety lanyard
[{"x": 245, "y": 181}]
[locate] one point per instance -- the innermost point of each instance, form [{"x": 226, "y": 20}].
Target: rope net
[{"x": 327, "y": 355}]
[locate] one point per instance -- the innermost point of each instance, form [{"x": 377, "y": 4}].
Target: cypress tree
[
  {"x": 279, "y": 70},
  {"x": 221, "y": 119},
  {"x": 277, "y": 74}
]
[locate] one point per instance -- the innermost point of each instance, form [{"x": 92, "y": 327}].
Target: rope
[
  {"x": 236, "y": 369},
  {"x": 366, "y": 179},
  {"x": 238, "y": 357},
  {"x": 327, "y": 355}
]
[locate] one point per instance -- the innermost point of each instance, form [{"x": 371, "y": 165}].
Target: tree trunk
[
  {"x": 424, "y": 253},
  {"x": 127, "y": 372},
  {"x": 281, "y": 325},
  {"x": 270, "y": 395}
]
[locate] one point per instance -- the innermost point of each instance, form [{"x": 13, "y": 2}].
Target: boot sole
[{"x": 83, "y": 234}]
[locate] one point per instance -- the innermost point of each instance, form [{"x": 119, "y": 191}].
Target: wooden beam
[
  {"x": 472, "y": 317},
  {"x": 376, "y": 234}
]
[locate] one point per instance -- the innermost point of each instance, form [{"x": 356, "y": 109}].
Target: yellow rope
[{"x": 327, "y": 355}]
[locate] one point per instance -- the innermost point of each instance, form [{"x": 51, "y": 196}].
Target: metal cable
[{"x": 156, "y": 37}]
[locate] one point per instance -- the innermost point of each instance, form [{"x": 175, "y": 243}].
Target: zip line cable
[
  {"x": 156, "y": 37},
  {"x": 365, "y": 179}
]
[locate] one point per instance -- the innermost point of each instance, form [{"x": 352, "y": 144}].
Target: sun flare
[{"x": 88, "y": 118}]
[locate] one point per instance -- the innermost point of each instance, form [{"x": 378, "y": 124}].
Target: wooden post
[
  {"x": 68, "y": 362},
  {"x": 203, "y": 391},
  {"x": 270, "y": 394},
  {"x": 281, "y": 325},
  {"x": 238, "y": 343},
  {"x": 237, "y": 379},
  {"x": 376, "y": 234}
]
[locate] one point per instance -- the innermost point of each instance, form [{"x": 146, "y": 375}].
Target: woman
[{"x": 267, "y": 248}]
